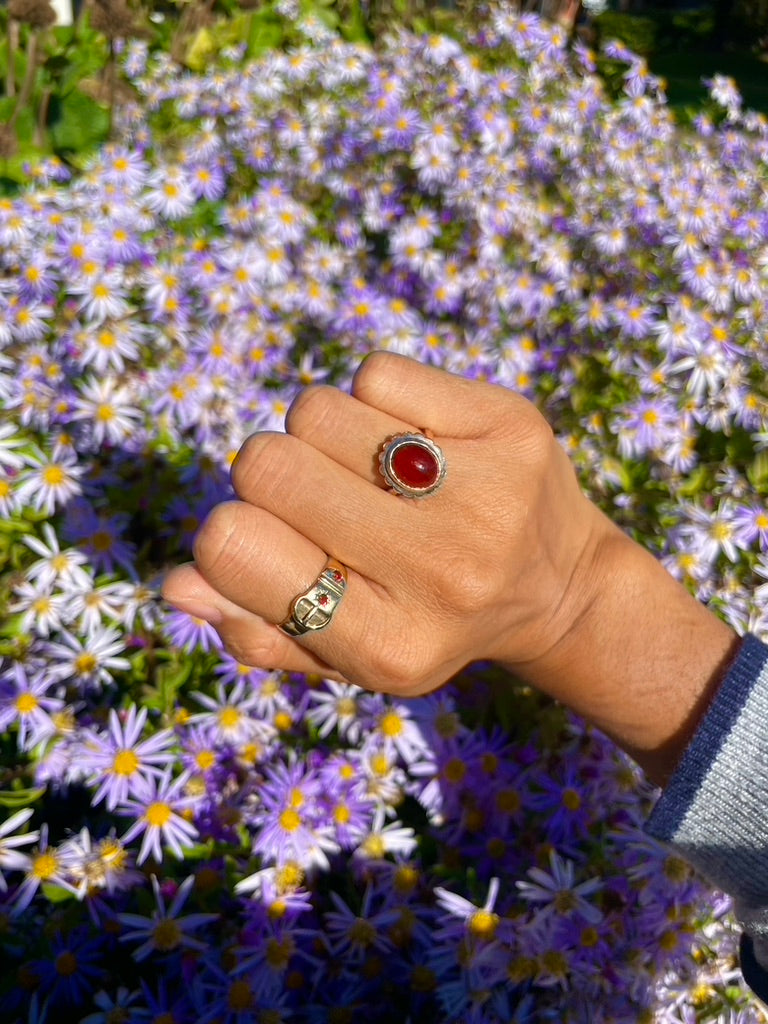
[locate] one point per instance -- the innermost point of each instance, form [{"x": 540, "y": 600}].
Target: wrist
[{"x": 639, "y": 657}]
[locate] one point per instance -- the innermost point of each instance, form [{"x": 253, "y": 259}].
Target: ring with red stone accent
[
  {"x": 412, "y": 465},
  {"x": 315, "y": 607}
]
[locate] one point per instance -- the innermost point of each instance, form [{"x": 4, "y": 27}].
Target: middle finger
[
  {"x": 344, "y": 428},
  {"x": 326, "y": 502}
]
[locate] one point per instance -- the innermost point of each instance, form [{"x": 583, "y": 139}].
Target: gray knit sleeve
[{"x": 714, "y": 810}]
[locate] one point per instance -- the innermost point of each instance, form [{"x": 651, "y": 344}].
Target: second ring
[{"x": 314, "y": 608}]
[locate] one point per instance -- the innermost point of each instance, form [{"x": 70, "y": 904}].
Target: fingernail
[{"x": 198, "y": 610}]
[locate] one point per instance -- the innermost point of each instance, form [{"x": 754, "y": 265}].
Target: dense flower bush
[{"x": 192, "y": 840}]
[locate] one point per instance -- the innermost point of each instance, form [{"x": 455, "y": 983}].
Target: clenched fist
[{"x": 507, "y": 560}]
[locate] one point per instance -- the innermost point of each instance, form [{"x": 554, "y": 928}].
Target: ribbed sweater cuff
[{"x": 715, "y": 808}]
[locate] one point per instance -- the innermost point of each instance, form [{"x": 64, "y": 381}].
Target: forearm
[{"x": 642, "y": 659}]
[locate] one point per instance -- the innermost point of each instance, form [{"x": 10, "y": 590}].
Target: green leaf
[
  {"x": 169, "y": 679},
  {"x": 77, "y": 123},
  {"x": 200, "y": 50},
  {"x": 55, "y": 894},
  {"x": 14, "y": 799},
  {"x": 265, "y": 33},
  {"x": 694, "y": 483},
  {"x": 757, "y": 471}
]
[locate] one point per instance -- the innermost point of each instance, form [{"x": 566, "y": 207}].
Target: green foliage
[
  {"x": 15, "y": 799},
  {"x": 638, "y": 33},
  {"x": 43, "y": 100},
  {"x": 76, "y": 123}
]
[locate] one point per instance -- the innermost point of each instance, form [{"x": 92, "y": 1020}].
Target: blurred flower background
[{"x": 189, "y": 839}]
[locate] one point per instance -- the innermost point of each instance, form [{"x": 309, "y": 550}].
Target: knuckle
[
  {"x": 371, "y": 376},
  {"x": 398, "y": 665},
  {"x": 536, "y": 437},
  {"x": 218, "y": 541},
  {"x": 470, "y": 584},
  {"x": 244, "y": 455},
  {"x": 311, "y": 410},
  {"x": 259, "y": 649},
  {"x": 263, "y": 464}
]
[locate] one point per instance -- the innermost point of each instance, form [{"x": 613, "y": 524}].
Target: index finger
[{"x": 430, "y": 398}]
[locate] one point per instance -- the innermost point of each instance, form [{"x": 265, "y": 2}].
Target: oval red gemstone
[{"x": 415, "y": 466}]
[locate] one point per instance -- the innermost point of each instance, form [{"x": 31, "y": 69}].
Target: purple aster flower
[
  {"x": 165, "y": 931},
  {"x": 112, "y": 1007},
  {"x": 43, "y": 865},
  {"x": 353, "y": 934},
  {"x": 87, "y": 661},
  {"x": 190, "y": 633},
  {"x": 119, "y": 761},
  {"x": 48, "y": 483},
  {"x": 751, "y": 525},
  {"x": 25, "y": 703},
  {"x": 231, "y": 716},
  {"x": 557, "y": 891},
  {"x": 160, "y": 812},
  {"x": 73, "y": 968},
  {"x": 290, "y": 825},
  {"x": 647, "y": 425},
  {"x": 93, "y": 865},
  {"x": 54, "y": 566},
  {"x": 10, "y": 860}
]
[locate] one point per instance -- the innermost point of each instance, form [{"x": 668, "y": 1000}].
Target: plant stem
[
  {"x": 27, "y": 85},
  {"x": 41, "y": 123},
  {"x": 13, "y": 46}
]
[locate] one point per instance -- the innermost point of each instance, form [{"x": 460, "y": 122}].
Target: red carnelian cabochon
[{"x": 415, "y": 466}]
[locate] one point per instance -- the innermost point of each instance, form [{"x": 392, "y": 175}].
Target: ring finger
[{"x": 260, "y": 563}]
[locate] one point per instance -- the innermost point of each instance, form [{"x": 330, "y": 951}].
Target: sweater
[{"x": 713, "y": 810}]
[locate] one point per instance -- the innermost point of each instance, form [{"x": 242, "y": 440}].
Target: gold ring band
[{"x": 315, "y": 607}]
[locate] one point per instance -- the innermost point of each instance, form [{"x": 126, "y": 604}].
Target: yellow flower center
[
  {"x": 483, "y": 924},
  {"x": 571, "y": 799},
  {"x": 229, "y": 717},
  {"x": 102, "y": 541},
  {"x": 289, "y": 877},
  {"x": 362, "y": 932},
  {"x": 454, "y": 770},
  {"x": 374, "y": 847},
  {"x": 380, "y": 764},
  {"x": 240, "y": 996},
  {"x": 205, "y": 760},
  {"x": 166, "y": 935},
  {"x": 53, "y": 476},
  {"x": 589, "y": 937},
  {"x": 26, "y": 703},
  {"x": 85, "y": 663},
  {"x": 283, "y": 721},
  {"x": 45, "y": 865},
  {"x": 345, "y": 707},
  {"x": 158, "y": 814},
  {"x": 66, "y": 963},
  {"x": 279, "y": 952},
  {"x": 112, "y": 853},
  {"x": 290, "y": 820},
  {"x": 125, "y": 762}
]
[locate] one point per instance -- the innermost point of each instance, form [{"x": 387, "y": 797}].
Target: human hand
[
  {"x": 493, "y": 565},
  {"x": 507, "y": 561}
]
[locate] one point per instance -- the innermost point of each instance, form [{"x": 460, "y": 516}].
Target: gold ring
[{"x": 314, "y": 608}]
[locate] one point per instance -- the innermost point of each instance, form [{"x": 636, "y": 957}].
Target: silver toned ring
[
  {"x": 315, "y": 607},
  {"x": 412, "y": 465}
]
